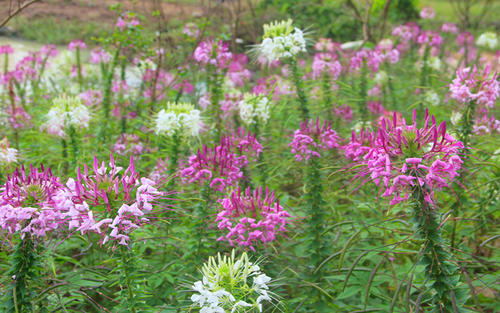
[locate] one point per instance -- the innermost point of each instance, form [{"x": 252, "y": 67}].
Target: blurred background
[{"x": 239, "y": 21}]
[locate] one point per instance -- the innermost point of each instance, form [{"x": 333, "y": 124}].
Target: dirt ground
[{"x": 98, "y": 10}]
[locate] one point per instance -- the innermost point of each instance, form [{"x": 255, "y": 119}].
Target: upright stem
[
  {"x": 106, "y": 101},
  {"x": 74, "y": 145},
  {"x": 299, "y": 86},
  {"x": 6, "y": 63},
  {"x": 24, "y": 274},
  {"x": 127, "y": 267},
  {"x": 435, "y": 258},
  {"x": 327, "y": 93},
  {"x": 363, "y": 93},
  {"x": 215, "y": 94},
  {"x": 202, "y": 214},
  {"x": 79, "y": 68},
  {"x": 466, "y": 128}
]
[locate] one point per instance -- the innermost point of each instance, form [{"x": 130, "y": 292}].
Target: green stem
[
  {"x": 435, "y": 258},
  {"x": 299, "y": 86},
  {"x": 363, "y": 92},
  {"x": 465, "y": 133},
  {"x": 106, "y": 101},
  {"x": 215, "y": 95},
  {"x": 79, "y": 68},
  {"x": 24, "y": 275},
  {"x": 127, "y": 266}
]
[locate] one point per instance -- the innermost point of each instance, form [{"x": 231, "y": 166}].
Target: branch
[{"x": 10, "y": 16}]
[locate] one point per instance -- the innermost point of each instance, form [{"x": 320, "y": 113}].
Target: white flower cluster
[
  {"x": 431, "y": 98},
  {"x": 226, "y": 286},
  {"x": 254, "y": 107},
  {"x": 282, "y": 40},
  {"x": 381, "y": 78},
  {"x": 488, "y": 40},
  {"x": 66, "y": 111},
  {"x": 178, "y": 117},
  {"x": 7, "y": 155}
]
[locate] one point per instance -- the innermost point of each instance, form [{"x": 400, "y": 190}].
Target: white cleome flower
[
  {"x": 7, "y": 155},
  {"x": 381, "y": 77},
  {"x": 431, "y": 98},
  {"x": 178, "y": 117},
  {"x": 456, "y": 117},
  {"x": 281, "y": 40},
  {"x": 166, "y": 123},
  {"x": 224, "y": 280},
  {"x": 66, "y": 111},
  {"x": 434, "y": 63},
  {"x": 254, "y": 108},
  {"x": 487, "y": 40}
]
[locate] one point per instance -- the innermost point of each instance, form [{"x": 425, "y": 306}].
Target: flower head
[
  {"x": 178, "y": 117},
  {"x": 402, "y": 158},
  {"x": 66, "y": 111},
  {"x": 119, "y": 201},
  {"x": 213, "y": 52},
  {"x": 231, "y": 285},
  {"x": 312, "y": 138},
  {"x": 76, "y": 44},
  {"x": 251, "y": 217},
  {"x": 254, "y": 108},
  {"x": 471, "y": 85},
  {"x": 30, "y": 202},
  {"x": 8, "y": 155},
  {"x": 488, "y": 40},
  {"x": 221, "y": 166},
  {"x": 281, "y": 40},
  {"x": 427, "y": 13}
]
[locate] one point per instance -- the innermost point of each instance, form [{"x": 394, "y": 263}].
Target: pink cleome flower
[
  {"x": 76, "y": 44},
  {"x": 221, "y": 166},
  {"x": 311, "y": 138},
  {"x": 401, "y": 157},
  {"x": 213, "y": 52},
  {"x": 31, "y": 203},
  {"x": 110, "y": 203},
  {"x": 326, "y": 63},
  {"x": 251, "y": 218},
  {"x": 471, "y": 85}
]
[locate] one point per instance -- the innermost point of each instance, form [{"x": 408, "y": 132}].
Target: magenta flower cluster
[
  {"x": 312, "y": 138},
  {"x": 119, "y": 202},
  {"x": 221, "y": 166},
  {"x": 251, "y": 217},
  {"x": 31, "y": 202},
  {"x": 401, "y": 157},
  {"x": 471, "y": 85},
  {"x": 213, "y": 52}
]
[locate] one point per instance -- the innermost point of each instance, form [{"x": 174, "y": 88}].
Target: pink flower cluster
[
  {"x": 6, "y": 49},
  {"x": 237, "y": 72},
  {"x": 119, "y": 201},
  {"x": 76, "y": 44},
  {"x": 99, "y": 55},
  {"x": 373, "y": 59},
  {"x": 327, "y": 45},
  {"x": 427, "y": 13},
  {"x": 401, "y": 157},
  {"x": 430, "y": 38},
  {"x": 129, "y": 144},
  {"x": 311, "y": 138},
  {"x": 470, "y": 85},
  {"x": 31, "y": 203},
  {"x": 163, "y": 79},
  {"x": 221, "y": 166},
  {"x": 213, "y": 52},
  {"x": 251, "y": 218},
  {"x": 127, "y": 20},
  {"x": 326, "y": 63},
  {"x": 449, "y": 28},
  {"x": 91, "y": 97}
]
